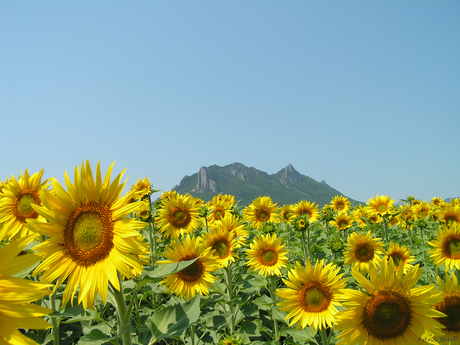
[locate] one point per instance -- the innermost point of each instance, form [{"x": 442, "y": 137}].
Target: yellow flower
[
  {"x": 198, "y": 276},
  {"x": 363, "y": 251},
  {"x": 16, "y": 294},
  {"x": 142, "y": 188},
  {"x": 178, "y": 215},
  {"x": 405, "y": 216},
  {"x": 401, "y": 256},
  {"x": 438, "y": 202},
  {"x": 16, "y": 199},
  {"x": 449, "y": 214},
  {"x": 450, "y": 305},
  {"x": 260, "y": 211},
  {"x": 312, "y": 296},
  {"x": 340, "y": 203},
  {"x": 220, "y": 209},
  {"x": 390, "y": 311},
  {"x": 421, "y": 210},
  {"x": 236, "y": 227},
  {"x": 310, "y": 209},
  {"x": 287, "y": 212},
  {"x": 342, "y": 221},
  {"x": 381, "y": 205},
  {"x": 223, "y": 242},
  {"x": 360, "y": 216},
  {"x": 267, "y": 255},
  {"x": 446, "y": 249},
  {"x": 91, "y": 240}
]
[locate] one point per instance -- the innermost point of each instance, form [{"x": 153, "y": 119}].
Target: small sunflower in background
[
  {"x": 17, "y": 295},
  {"x": 450, "y": 305},
  {"x": 342, "y": 221},
  {"x": 143, "y": 188},
  {"x": 363, "y": 251},
  {"x": 178, "y": 215},
  {"x": 198, "y": 276},
  {"x": 446, "y": 245},
  {"x": 219, "y": 209},
  {"x": 312, "y": 295},
  {"x": 391, "y": 310},
  {"x": 360, "y": 216},
  {"x": 421, "y": 210},
  {"x": 267, "y": 255},
  {"x": 340, "y": 203},
  {"x": 261, "y": 210},
  {"x": 16, "y": 199},
  {"x": 307, "y": 208},
  {"x": 405, "y": 216},
  {"x": 222, "y": 242},
  {"x": 237, "y": 228},
  {"x": 90, "y": 239},
  {"x": 438, "y": 202},
  {"x": 287, "y": 212},
  {"x": 401, "y": 256},
  {"x": 381, "y": 205}
]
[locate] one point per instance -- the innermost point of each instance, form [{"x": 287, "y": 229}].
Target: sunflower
[
  {"x": 223, "y": 242},
  {"x": 16, "y": 199},
  {"x": 360, "y": 216},
  {"x": 340, "y": 203},
  {"x": 449, "y": 214},
  {"x": 16, "y": 294},
  {"x": 143, "y": 211},
  {"x": 421, "y": 210},
  {"x": 438, "y": 202},
  {"x": 226, "y": 198},
  {"x": 236, "y": 227},
  {"x": 390, "y": 311},
  {"x": 219, "y": 207},
  {"x": 91, "y": 240},
  {"x": 312, "y": 294},
  {"x": 267, "y": 255},
  {"x": 446, "y": 247},
  {"x": 178, "y": 215},
  {"x": 198, "y": 276},
  {"x": 450, "y": 305},
  {"x": 287, "y": 212},
  {"x": 401, "y": 256},
  {"x": 405, "y": 216},
  {"x": 143, "y": 188},
  {"x": 342, "y": 221},
  {"x": 381, "y": 205},
  {"x": 260, "y": 211},
  {"x": 310, "y": 209},
  {"x": 363, "y": 251}
]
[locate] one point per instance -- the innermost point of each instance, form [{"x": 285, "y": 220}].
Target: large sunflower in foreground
[
  {"x": 267, "y": 255},
  {"x": 16, "y": 198},
  {"x": 91, "y": 240},
  {"x": 446, "y": 249},
  {"x": 16, "y": 294},
  {"x": 261, "y": 210},
  {"x": 363, "y": 251},
  {"x": 198, "y": 276},
  {"x": 390, "y": 311},
  {"x": 450, "y": 305},
  {"x": 312, "y": 294},
  {"x": 223, "y": 242},
  {"x": 178, "y": 215}
]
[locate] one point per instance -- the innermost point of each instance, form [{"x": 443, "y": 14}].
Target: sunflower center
[
  {"x": 219, "y": 213},
  {"x": 22, "y": 206},
  {"x": 315, "y": 297},
  {"x": 452, "y": 248},
  {"x": 192, "y": 272},
  {"x": 450, "y": 306},
  {"x": 342, "y": 224},
  {"x": 382, "y": 208},
  {"x": 364, "y": 252},
  {"x": 268, "y": 257},
  {"x": 397, "y": 258},
  {"x": 387, "y": 314},
  {"x": 221, "y": 248},
  {"x": 88, "y": 234},
  {"x": 180, "y": 217},
  {"x": 263, "y": 215},
  {"x": 340, "y": 206}
]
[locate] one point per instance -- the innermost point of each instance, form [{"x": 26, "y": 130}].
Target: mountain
[{"x": 287, "y": 186}]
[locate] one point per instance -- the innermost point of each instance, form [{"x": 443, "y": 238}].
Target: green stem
[
  {"x": 54, "y": 320},
  {"x": 386, "y": 229},
  {"x": 192, "y": 334},
  {"x": 410, "y": 236},
  {"x": 304, "y": 247},
  {"x": 272, "y": 293},
  {"x": 322, "y": 331},
  {"x": 122, "y": 311},
  {"x": 230, "y": 298},
  {"x": 326, "y": 228}
]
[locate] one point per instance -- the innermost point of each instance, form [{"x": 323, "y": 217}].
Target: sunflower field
[{"x": 83, "y": 264}]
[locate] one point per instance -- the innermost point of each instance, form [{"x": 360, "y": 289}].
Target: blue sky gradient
[{"x": 364, "y": 95}]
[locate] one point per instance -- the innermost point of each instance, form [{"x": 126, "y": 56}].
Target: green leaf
[
  {"x": 168, "y": 269},
  {"x": 174, "y": 320}
]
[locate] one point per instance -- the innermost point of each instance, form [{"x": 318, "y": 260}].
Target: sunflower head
[
  {"x": 267, "y": 255},
  {"x": 363, "y": 251},
  {"x": 308, "y": 209},
  {"x": 381, "y": 205},
  {"x": 222, "y": 242},
  {"x": 300, "y": 223},
  {"x": 450, "y": 305},
  {"x": 336, "y": 244},
  {"x": 143, "y": 188},
  {"x": 446, "y": 249},
  {"x": 340, "y": 203},
  {"x": 342, "y": 221},
  {"x": 261, "y": 210}
]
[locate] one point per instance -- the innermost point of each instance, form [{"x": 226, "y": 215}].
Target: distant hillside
[{"x": 287, "y": 186}]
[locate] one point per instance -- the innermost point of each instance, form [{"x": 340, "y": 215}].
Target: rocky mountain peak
[
  {"x": 290, "y": 176},
  {"x": 238, "y": 170},
  {"x": 205, "y": 181}
]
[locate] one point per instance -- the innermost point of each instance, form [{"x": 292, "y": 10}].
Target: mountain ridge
[{"x": 287, "y": 186}]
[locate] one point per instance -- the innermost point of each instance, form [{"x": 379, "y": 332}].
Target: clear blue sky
[{"x": 362, "y": 94}]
